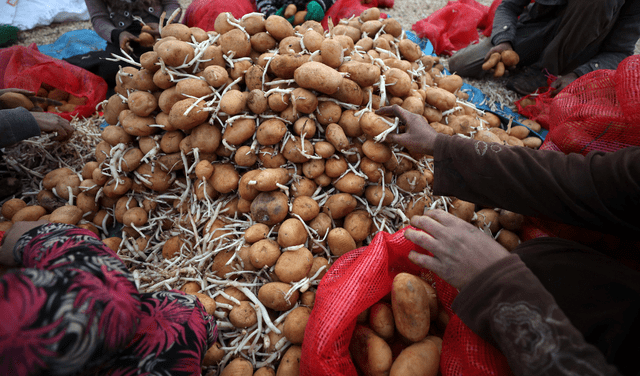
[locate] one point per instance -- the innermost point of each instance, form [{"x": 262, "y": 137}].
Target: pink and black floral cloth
[{"x": 73, "y": 308}]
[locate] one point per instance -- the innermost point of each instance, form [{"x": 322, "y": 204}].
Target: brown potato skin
[
  {"x": 370, "y": 352},
  {"x": 410, "y": 304}
]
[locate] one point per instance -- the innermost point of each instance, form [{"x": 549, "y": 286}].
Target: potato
[
  {"x": 187, "y": 113},
  {"x": 349, "y": 92},
  {"x": 487, "y": 219},
  {"x": 175, "y": 53},
  {"x": 339, "y": 205},
  {"x": 295, "y": 323},
  {"x": 115, "y": 105},
  {"x": 113, "y": 243},
  {"x": 381, "y": 320},
  {"x": 336, "y": 136},
  {"x": 422, "y": 358},
  {"x": 142, "y": 103},
  {"x": 154, "y": 179},
  {"x": 358, "y": 224},
  {"x": 207, "y": 301},
  {"x": 256, "y": 232},
  {"x": 115, "y": 135},
  {"x": 440, "y": 98},
  {"x": 294, "y": 265},
  {"x": 69, "y": 214},
  {"x": 215, "y": 75},
  {"x": 412, "y": 181},
  {"x": 297, "y": 150},
  {"x": 225, "y": 178},
  {"x": 508, "y": 239},
  {"x": 239, "y": 131},
  {"x": 510, "y": 220},
  {"x": 243, "y": 315},
  {"x": 29, "y": 213},
  {"x": 233, "y": 102},
  {"x": 399, "y": 82},
  {"x": 319, "y": 77},
  {"x": 290, "y": 363},
  {"x": 291, "y": 233},
  {"x": 235, "y": 41},
  {"x": 410, "y": 305},
  {"x": 270, "y": 132},
  {"x": 193, "y": 87},
  {"x": 11, "y": 207},
  {"x": 462, "y": 209},
  {"x": 409, "y": 50},
  {"x": 270, "y": 208},
  {"x": 328, "y": 112},
  {"x": 137, "y": 125},
  {"x": 51, "y": 179},
  {"x": 238, "y": 366},
  {"x": 278, "y": 27},
  {"x": 350, "y": 183},
  {"x": 369, "y": 352},
  {"x": 68, "y": 185},
  {"x": 256, "y": 101},
  {"x": 372, "y": 124},
  {"x": 272, "y": 295},
  {"x": 340, "y": 241},
  {"x": 532, "y": 142},
  {"x": 214, "y": 355}
]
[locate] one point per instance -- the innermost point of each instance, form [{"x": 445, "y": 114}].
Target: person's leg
[
  {"x": 599, "y": 295},
  {"x": 584, "y": 26},
  {"x": 468, "y": 61}
]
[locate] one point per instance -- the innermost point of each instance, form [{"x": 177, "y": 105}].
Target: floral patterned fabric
[{"x": 74, "y": 308}]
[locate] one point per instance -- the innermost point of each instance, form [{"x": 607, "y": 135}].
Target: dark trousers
[
  {"x": 598, "y": 294},
  {"x": 556, "y": 38}
]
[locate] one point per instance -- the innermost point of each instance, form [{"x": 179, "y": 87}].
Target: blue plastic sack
[{"x": 72, "y": 43}]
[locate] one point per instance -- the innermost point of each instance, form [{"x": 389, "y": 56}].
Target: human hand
[
  {"x": 11, "y": 238},
  {"x": 152, "y": 28},
  {"x": 561, "y": 82},
  {"x": 27, "y": 93},
  {"x": 52, "y": 123},
  {"x": 125, "y": 39},
  {"x": 460, "y": 250},
  {"x": 504, "y": 46},
  {"x": 419, "y": 137}
]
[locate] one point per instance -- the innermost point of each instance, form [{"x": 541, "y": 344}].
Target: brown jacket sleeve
[
  {"x": 508, "y": 306},
  {"x": 598, "y": 191}
]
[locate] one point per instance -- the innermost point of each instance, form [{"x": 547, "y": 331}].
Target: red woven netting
[
  {"x": 456, "y": 25},
  {"x": 598, "y": 112},
  {"x": 26, "y": 68},
  {"x": 359, "y": 279}
]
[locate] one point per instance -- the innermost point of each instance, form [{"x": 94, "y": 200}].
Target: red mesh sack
[
  {"x": 359, "y": 279},
  {"x": 27, "y": 68},
  {"x": 347, "y": 8},
  {"x": 453, "y": 27},
  {"x": 486, "y": 23},
  {"x": 203, "y": 13}
]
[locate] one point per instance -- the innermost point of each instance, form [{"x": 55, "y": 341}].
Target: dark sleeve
[
  {"x": 504, "y": 21},
  {"x": 620, "y": 43},
  {"x": 597, "y": 191},
  {"x": 170, "y": 6},
  {"x": 100, "y": 19},
  {"x": 507, "y": 305},
  {"x": 16, "y": 125},
  {"x": 73, "y": 305}
]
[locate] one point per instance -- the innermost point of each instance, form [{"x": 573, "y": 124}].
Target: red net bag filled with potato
[
  {"x": 359, "y": 279},
  {"x": 26, "y": 68}
]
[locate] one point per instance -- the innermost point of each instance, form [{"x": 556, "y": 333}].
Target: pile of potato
[
  {"x": 402, "y": 333},
  {"x": 242, "y": 161}
]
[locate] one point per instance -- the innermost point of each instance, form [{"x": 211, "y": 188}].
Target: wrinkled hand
[
  {"x": 419, "y": 137},
  {"x": 152, "y": 28},
  {"x": 125, "y": 39},
  {"x": 52, "y": 123},
  {"x": 504, "y": 46},
  {"x": 561, "y": 82},
  {"x": 460, "y": 250},
  {"x": 11, "y": 238}
]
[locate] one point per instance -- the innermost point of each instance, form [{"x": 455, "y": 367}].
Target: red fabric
[
  {"x": 598, "y": 111},
  {"x": 360, "y": 278},
  {"x": 455, "y": 26},
  {"x": 203, "y": 13},
  {"x": 27, "y": 68}
]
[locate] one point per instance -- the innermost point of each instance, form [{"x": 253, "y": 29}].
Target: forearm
[
  {"x": 597, "y": 191},
  {"x": 268, "y": 7},
  {"x": 170, "y": 6},
  {"x": 16, "y": 125},
  {"x": 504, "y": 21},
  {"x": 100, "y": 19},
  {"x": 508, "y": 306}
]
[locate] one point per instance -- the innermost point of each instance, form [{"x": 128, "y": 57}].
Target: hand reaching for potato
[
  {"x": 500, "y": 58},
  {"x": 419, "y": 137},
  {"x": 460, "y": 250},
  {"x": 52, "y": 123}
]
